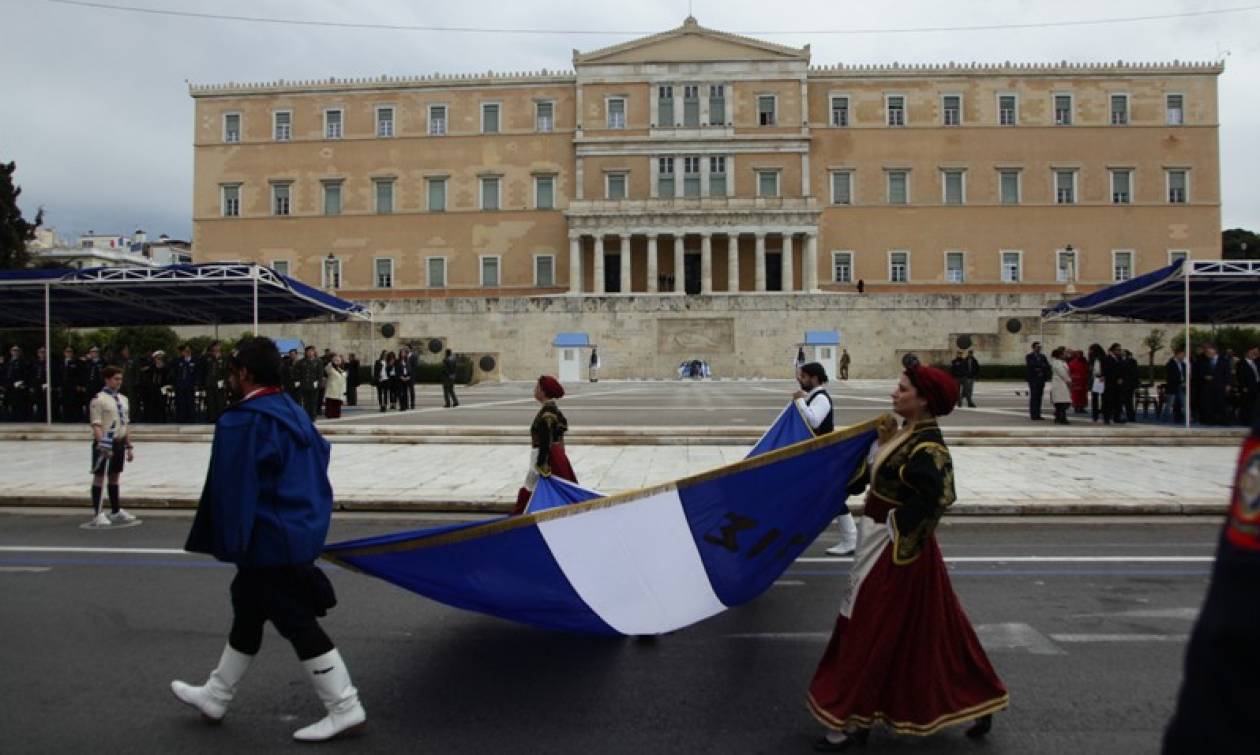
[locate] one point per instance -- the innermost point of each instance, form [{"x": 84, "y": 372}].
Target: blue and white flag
[{"x": 643, "y": 562}]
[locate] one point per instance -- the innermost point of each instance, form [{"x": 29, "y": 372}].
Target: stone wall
[{"x": 750, "y": 336}]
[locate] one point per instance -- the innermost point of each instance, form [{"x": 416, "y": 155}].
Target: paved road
[
  {"x": 683, "y": 402},
  {"x": 1090, "y": 649}
]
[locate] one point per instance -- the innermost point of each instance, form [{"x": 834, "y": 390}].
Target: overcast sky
[{"x": 96, "y": 112}]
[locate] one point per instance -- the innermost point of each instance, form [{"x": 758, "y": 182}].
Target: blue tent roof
[
  {"x": 1221, "y": 291},
  {"x": 822, "y": 338},
  {"x": 207, "y": 294},
  {"x": 571, "y": 340}
]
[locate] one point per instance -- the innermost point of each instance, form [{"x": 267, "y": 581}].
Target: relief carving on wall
[{"x": 696, "y": 337}]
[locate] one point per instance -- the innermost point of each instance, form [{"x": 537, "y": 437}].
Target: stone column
[
  {"x": 599, "y": 264},
  {"x": 652, "y": 266},
  {"x": 732, "y": 263},
  {"x": 789, "y": 265},
  {"x": 706, "y": 263},
  {"x": 575, "y": 265},
  {"x": 811, "y": 263},
  {"x": 680, "y": 268},
  {"x": 625, "y": 264},
  {"x": 761, "y": 262}
]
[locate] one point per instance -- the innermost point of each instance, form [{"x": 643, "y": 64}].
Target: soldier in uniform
[
  {"x": 67, "y": 375},
  {"x": 154, "y": 380},
  {"x": 214, "y": 381},
  {"x": 15, "y": 379},
  {"x": 39, "y": 385},
  {"x": 131, "y": 376},
  {"x": 309, "y": 374},
  {"x": 1216, "y": 711},
  {"x": 92, "y": 381},
  {"x": 844, "y": 364},
  {"x": 186, "y": 377}
]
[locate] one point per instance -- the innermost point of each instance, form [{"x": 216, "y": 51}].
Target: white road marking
[
  {"x": 463, "y": 405},
  {"x": 1016, "y": 636},
  {"x": 1120, "y": 637},
  {"x": 19, "y": 569},
  {"x": 73, "y": 549},
  {"x": 789, "y": 583},
  {"x": 1040, "y": 559},
  {"x": 1187, "y": 614}
]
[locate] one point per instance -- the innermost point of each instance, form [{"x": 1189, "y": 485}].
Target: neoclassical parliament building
[{"x": 696, "y": 162}]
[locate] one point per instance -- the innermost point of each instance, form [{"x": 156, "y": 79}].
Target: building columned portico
[{"x": 700, "y": 246}]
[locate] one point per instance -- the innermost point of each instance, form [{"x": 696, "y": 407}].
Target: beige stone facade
[{"x": 723, "y": 165}]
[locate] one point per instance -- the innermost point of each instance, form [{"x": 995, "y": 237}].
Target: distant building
[{"x": 108, "y": 250}]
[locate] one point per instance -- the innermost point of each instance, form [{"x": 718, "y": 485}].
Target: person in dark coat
[
  {"x": 380, "y": 379},
  {"x": 66, "y": 378},
  {"x": 266, "y": 507},
  {"x": 288, "y": 375},
  {"x": 186, "y": 374},
  {"x": 1038, "y": 372},
  {"x": 1198, "y": 368},
  {"x": 131, "y": 377},
  {"x": 15, "y": 378},
  {"x": 309, "y": 374},
  {"x": 448, "y": 380},
  {"x": 214, "y": 375},
  {"x": 1114, "y": 390},
  {"x": 155, "y": 384},
  {"x": 404, "y": 375},
  {"x": 39, "y": 386},
  {"x": 1216, "y": 709},
  {"x": 1132, "y": 379},
  {"x": 352, "y": 381},
  {"x": 93, "y": 381},
  {"x": 958, "y": 370},
  {"x": 413, "y": 367},
  {"x": 1218, "y": 377},
  {"x": 1175, "y": 384},
  {"x": 1247, "y": 385}
]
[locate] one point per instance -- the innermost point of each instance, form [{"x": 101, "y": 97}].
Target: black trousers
[
  {"x": 184, "y": 404},
  {"x": 292, "y": 598},
  {"x": 352, "y": 395},
  {"x": 310, "y": 402},
  {"x": 448, "y": 393},
  {"x": 382, "y": 395},
  {"x": 404, "y": 395},
  {"x": 1113, "y": 404},
  {"x": 1095, "y": 405},
  {"x": 1035, "y": 392}
]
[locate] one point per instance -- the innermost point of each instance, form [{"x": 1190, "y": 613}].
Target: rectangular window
[
  {"x": 1119, "y": 109},
  {"x": 545, "y": 117},
  {"x": 490, "y": 193},
  {"x": 1121, "y": 186},
  {"x": 1011, "y": 267},
  {"x": 280, "y": 198},
  {"x": 435, "y": 271},
  {"x": 280, "y": 266},
  {"x": 437, "y": 120},
  {"x": 616, "y": 188},
  {"x": 231, "y": 200},
  {"x": 951, "y": 107},
  {"x": 767, "y": 183},
  {"x": 665, "y": 106},
  {"x": 1063, "y": 110},
  {"x": 332, "y": 124},
  {"x": 544, "y": 270},
  {"x": 691, "y": 106},
  {"x": 616, "y": 107},
  {"x": 384, "y": 273},
  {"x": 1175, "y": 106},
  {"x": 842, "y": 187},
  {"x": 717, "y": 104},
  {"x": 384, "y": 191},
  {"x": 1065, "y": 187},
  {"x": 954, "y": 267},
  {"x": 544, "y": 192},
  {"x": 898, "y": 267},
  {"x": 332, "y": 197},
  {"x": 842, "y": 267},
  {"x": 691, "y": 176},
  {"x": 283, "y": 125},
  {"x": 331, "y": 272},
  {"x": 1065, "y": 266},
  {"x": 1174, "y": 255},
  {"x": 437, "y": 194},
  {"x": 1009, "y": 186},
  {"x": 896, "y": 105},
  {"x": 898, "y": 187},
  {"x": 1008, "y": 110},
  {"x": 489, "y": 117},
  {"x": 954, "y": 181},
  {"x": 490, "y": 271},
  {"x": 665, "y": 177},
  {"x": 765, "y": 110},
  {"x": 1121, "y": 266},
  {"x": 840, "y": 111},
  {"x": 1178, "y": 187},
  {"x": 232, "y": 127},
  {"x": 384, "y": 122},
  {"x": 717, "y": 176}
]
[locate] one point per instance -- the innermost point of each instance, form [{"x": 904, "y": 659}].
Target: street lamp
[
  {"x": 330, "y": 272},
  {"x": 1071, "y": 271}
]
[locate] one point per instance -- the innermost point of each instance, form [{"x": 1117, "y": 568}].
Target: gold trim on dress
[{"x": 906, "y": 727}]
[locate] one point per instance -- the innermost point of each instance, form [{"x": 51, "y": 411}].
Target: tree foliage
[
  {"x": 1233, "y": 242},
  {"x": 1154, "y": 342},
  {"x": 1230, "y": 337},
  {"x": 15, "y": 231}
]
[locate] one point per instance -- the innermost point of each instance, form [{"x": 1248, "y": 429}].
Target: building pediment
[{"x": 690, "y": 43}]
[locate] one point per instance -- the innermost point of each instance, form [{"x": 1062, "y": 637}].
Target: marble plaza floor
[{"x": 1095, "y": 479}]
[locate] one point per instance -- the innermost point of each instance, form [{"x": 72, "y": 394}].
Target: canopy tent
[
  {"x": 209, "y": 294},
  {"x": 1212, "y": 292}
]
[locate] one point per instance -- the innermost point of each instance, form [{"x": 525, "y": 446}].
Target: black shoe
[
  {"x": 971, "y": 406},
  {"x": 851, "y": 739},
  {"x": 981, "y": 727},
  {"x": 1038, "y": 419}
]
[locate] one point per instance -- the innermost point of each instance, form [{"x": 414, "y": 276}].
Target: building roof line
[
  {"x": 334, "y": 83},
  {"x": 1062, "y": 67}
]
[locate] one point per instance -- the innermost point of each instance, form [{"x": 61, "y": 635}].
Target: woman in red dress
[
  {"x": 903, "y": 652},
  {"x": 1080, "y": 381},
  {"x": 546, "y": 437}
]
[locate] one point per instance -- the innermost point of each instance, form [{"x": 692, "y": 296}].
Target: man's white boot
[
  {"x": 331, "y": 679},
  {"x": 213, "y": 697},
  {"x": 848, "y": 536}
]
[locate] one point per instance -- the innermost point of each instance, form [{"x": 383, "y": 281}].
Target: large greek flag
[{"x": 643, "y": 562}]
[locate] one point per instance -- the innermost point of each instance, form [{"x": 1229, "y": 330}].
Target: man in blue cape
[{"x": 266, "y": 507}]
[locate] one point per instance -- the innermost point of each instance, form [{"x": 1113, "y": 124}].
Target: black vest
[{"x": 828, "y": 424}]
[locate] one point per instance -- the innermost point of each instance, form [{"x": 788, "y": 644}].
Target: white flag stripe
[
  {"x": 1039, "y": 559},
  {"x": 636, "y": 566}
]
